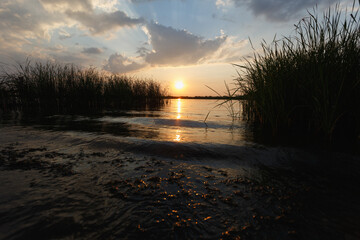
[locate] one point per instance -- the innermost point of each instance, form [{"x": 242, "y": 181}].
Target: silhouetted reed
[
  {"x": 61, "y": 88},
  {"x": 308, "y": 83}
]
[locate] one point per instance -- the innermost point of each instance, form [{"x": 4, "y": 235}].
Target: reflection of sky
[{"x": 182, "y": 120}]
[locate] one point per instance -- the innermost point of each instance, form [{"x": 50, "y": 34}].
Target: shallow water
[
  {"x": 182, "y": 120},
  {"x": 167, "y": 174}
]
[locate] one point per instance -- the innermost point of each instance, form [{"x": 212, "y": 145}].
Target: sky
[{"x": 193, "y": 41}]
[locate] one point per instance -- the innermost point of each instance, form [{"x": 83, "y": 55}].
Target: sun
[{"x": 179, "y": 84}]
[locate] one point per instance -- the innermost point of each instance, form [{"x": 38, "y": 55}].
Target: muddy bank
[{"x": 62, "y": 185}]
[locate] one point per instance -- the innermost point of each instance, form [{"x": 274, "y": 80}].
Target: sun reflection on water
[
  {"x": 177, "y": 136},
  {"x": 178, "y": 132},
  {"x": 178, "y": 108}
]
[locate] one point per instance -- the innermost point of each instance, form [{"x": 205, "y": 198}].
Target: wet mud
[{"x": 54, "y": 186}]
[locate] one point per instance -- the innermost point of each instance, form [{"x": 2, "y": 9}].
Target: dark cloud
[
  {"x": 92, "y": 50},
  {"x": 178, "y": 47},
  {"x": 143, "y": 51},
  {"x": 118, "y": 63},
  {"x": 101, "y": 22},
  {"x": 279, "y": 10}
]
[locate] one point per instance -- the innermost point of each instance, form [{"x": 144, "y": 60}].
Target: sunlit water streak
[{"x": 183, "y": 120}]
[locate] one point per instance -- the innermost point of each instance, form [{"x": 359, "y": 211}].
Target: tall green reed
[{"x": 309, "y": 82}]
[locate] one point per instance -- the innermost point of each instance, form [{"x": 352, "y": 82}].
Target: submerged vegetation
[
  {"x": 307, "y": 84},
  {"x": 62, "y": 88}
]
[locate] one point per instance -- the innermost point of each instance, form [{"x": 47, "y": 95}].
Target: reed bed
[
  {"x": 62, "y": 88},
  {"x": 308, "y": 83}
]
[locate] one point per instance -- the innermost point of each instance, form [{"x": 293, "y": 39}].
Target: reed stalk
[
  {"x": 309, "y": 82},
  {"x": 55, "y": 87}
]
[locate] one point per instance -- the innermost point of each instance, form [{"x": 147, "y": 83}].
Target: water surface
[{"x": 167, "y": 174}]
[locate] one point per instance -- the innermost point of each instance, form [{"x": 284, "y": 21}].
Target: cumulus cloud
[
  {"x": 99, "y": 23},
  {"x": 231, "y": 50},
  {"x": 167, "y": 46},
  {"x": 56, "y": 5},
  {"x": 118, "y": 63},
  {"x": 279, "y": 10},
  {"x": 105, "y": 5},
  {"x": 27, "y": 28},
  {"x": 178, "y": 47},
  {"x": 98, "y": 16},
  {"x": 92, "y": 50},
  {"x": 19, "y": 22},
  {"x": 24, "y": 26}
]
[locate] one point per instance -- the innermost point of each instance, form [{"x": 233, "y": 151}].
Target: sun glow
[{"x": 179, "y": 84}]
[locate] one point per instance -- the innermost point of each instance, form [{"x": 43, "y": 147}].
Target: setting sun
[{"x": 179, "y": 84}]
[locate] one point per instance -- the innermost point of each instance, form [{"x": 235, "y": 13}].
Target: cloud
[
  {"x": 70, "y": 57},
  {"x": 99, "y": 23},
  {"x": 231, "y": 50},
  {"x": 23, "y": 25},
  {"x": 92, "y": 50},
  {"x": 279, "y": 10},
  {"x": 57, "y": 48},
  {"x": 223, "y": 18},
  {"x": 58, "y": 5},
  {"x": 118, "y": 63},
  {"x": 98, "y": 16},
  {"x": 19, "y": 22},
  {"x": 143, "y": 51},
  {"x": 33, "y": 28},
  {"x": 142, "y": 1},
  {"x": 105, "y": 5},
  {"x": 222, "y": 3},
  {"x": 178, "y": 47},
  {"x": 171, "y": 47},
  {"x": 64, "y": 35}
]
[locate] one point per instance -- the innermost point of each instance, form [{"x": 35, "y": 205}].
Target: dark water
[{"x": 167, "y": 174}]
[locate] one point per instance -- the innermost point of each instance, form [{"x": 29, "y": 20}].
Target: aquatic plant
[
  {"x": 55, "y": 87},
  {"x": 308, "y": 83},
  {"x": 230, "y": 101}
]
